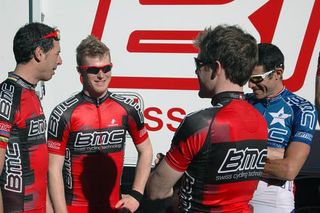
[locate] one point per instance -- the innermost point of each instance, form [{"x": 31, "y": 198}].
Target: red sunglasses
[
  {"x": 95, "y": 70},
  {"x": 55, "y": 35}
]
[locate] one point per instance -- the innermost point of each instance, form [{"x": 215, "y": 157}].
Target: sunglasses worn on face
[
  {"x": 55, "y": 35},
  {"x": 260, "y": 77},
  {"x": 199, "y": 63},
  {"x": 95, "y": 70}
]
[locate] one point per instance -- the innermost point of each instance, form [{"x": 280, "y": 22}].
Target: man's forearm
[
  {"x": 289, "y": 167},
  {"x": 49, "y": 208},
  {"x": 56, "y": 191},
  {"x": 1, "y": 202},
  {"x": 156, "y": 189},
  {"x": 142, "y": 171}
]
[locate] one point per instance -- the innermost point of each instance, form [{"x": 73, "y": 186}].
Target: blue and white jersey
[{"x": 289, "y": 117}]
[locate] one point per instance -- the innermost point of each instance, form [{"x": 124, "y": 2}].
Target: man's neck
[
  {"x": 24, "y": 71},
  {"x": 278, "y": 89},
  {"x": 94, "y": 95},
  {"x": 229, "y": 87}
]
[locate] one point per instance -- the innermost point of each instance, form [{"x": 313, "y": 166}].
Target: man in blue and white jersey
[{"x": 291, "y": 123}]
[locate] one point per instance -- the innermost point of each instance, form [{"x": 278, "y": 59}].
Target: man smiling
[
  {"x": 291, "y": 123},
  {"x": 86, "y": 139}
]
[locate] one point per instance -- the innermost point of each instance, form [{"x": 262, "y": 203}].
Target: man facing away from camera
[{"x": 220, "y": 151}]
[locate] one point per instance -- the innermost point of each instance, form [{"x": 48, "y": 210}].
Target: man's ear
[
  {"x": 279, "y": 72},
  {"x": 81, "y": 74},
  {"x": 215, "y": 67},
  {"x": 38, "y": 54}
]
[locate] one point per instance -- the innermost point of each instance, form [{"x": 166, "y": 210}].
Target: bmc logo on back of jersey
[{"x": 243, "y": 160}]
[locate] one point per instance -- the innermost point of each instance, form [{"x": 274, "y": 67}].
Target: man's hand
[
  {"x": 128, "y": 203},
  {"x": 159, "y": 158}
]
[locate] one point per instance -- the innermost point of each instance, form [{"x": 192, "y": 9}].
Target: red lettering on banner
[
  {"x": 184, "y": 2},
  {"x": 158, "y": 121},
  {"x": 296, "y": 81},
  {"x": 171, "y": 116},
  {"x": 135, "y": 44},
  {"x": 100, "y": 18},
  {"x": 153, "y": 114},
  {"x": 154, "y": 83},
  {"x": 266, "y": 29}
]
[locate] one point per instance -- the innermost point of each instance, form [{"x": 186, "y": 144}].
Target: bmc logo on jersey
[
  {"x": 102, "y": 141},
  {"x": 37, "y": 127},
  {"x": 131, "y": 98},
  {"x": 6, "y": 99},
  {"x": 56, "y": 115},
  {"x": 241, "y": 160},
  {"x": 99, "y": 138},
  {"x": 13, "y": 169}
]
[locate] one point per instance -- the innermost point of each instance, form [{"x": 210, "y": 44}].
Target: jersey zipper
[{"x": 99, "y": 120}]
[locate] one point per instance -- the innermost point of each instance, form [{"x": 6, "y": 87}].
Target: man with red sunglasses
[
  {"x": 291, "y": 123},
  {"x": 86, "y": 139},
  {"x": 23, "y": 144}
]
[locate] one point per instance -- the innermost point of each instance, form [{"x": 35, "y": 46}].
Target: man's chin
[
  {"x": 204, "y": 95},
  {"x": 259, "y": 95},
  {"x": 46, "y": 79}
]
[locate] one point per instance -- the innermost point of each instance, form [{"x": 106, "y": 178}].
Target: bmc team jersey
[
  {"x": 91, "y": 134},
  {"x": 22, "y": 134},
  {"x": 290, "y": 119},
  {"x": 222, "y": 152}
]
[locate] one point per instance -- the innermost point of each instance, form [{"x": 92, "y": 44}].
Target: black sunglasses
[
  {"x": 199, "y": 63},
  {"x": 95, "y": 70}
]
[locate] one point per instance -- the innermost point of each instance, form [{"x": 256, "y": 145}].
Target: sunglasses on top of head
[
  {"x": 55, "y": 35},
  {"x": 95, "y": 70},
  {"x": 260, "y": 77}
]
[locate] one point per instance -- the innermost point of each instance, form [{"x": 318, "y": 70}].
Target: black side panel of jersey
[
  {"x": 10, "y": 196},
  {"x": 131, "y": 107},
  {"x": 8, "y": 102},
  {"x": 59, "y": 117},
  {"x": 65, "y": 109},
  {"x": 194, "y": 123}
]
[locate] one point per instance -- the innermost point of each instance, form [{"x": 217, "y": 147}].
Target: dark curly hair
[
  {"x": 236, "y": 50},
  {"x": 28, "y": 38}
]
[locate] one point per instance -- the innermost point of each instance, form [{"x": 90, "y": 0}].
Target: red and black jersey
[
  {"x": 91, "y": 134},
  {"x": 222, "y": 151},
  {"x": 22, "y": 134}
]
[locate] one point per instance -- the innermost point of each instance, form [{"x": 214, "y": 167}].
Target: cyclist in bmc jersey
[
  {"x": 23, "y": 146},
  {"x": 220, "y": 151},
  {"x": 86, "y": 139},
  {"x": 291, "y": 123}
]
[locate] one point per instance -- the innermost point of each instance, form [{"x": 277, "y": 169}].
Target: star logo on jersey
[{"x": 279, "y": 117}]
